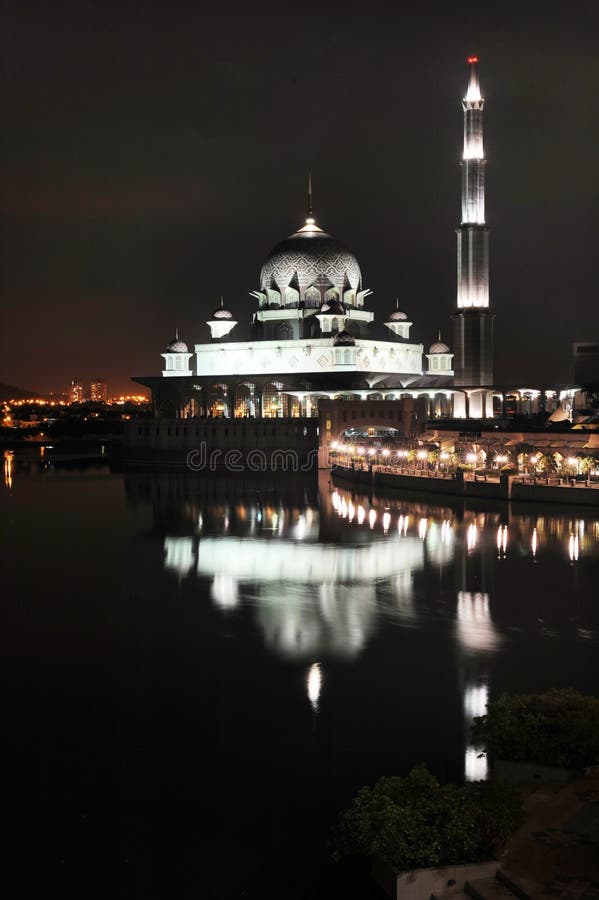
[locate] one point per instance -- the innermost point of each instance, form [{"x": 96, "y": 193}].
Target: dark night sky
[{"x": 151, "y": 156}]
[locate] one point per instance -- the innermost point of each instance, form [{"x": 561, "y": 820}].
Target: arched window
[
  {"x": 275, "y": 404},
  {"x": 245, "y": 399},
  {"x": 291, "y": 297},
  {"x": 312, "y": 298},
  {"x": 218, "y": 400},
  {"x": 284, "y": 331}
]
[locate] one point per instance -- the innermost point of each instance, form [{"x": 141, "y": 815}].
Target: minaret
[{"x": 473, "y": 319}]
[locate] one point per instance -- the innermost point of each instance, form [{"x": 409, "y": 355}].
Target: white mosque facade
[{"x": 311, "y": 334}]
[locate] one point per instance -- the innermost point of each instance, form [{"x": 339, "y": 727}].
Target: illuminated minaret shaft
[{"x": 473, "y": 320}]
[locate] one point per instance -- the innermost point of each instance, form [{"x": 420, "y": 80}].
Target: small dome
[
  {"x": 439, "y": 347},
  {"x": 333, "y": 308},
  {"x": 177, "y": 346},
  {"x": 397, "y": 316},
  {"x": 221, "y": 313},
  {"x": 344, "y": 339}
]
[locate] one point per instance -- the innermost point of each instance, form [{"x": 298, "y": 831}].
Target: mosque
[{"x": 310, "y": 334}]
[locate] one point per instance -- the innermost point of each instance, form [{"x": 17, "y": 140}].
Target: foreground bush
[
  {"x": 415, "y": 822},
  {"x": 559, "y": 728}
]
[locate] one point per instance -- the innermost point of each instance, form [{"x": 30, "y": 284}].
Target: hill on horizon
[{"x": 10, "y": 392}]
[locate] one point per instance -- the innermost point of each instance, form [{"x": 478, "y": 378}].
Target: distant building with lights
[
  {"x": 311, "y": 333},
  {"x": 76, "y": 393},
  {"x": 98, "y": 391}
]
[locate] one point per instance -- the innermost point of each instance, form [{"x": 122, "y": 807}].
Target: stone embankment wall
[{"x": 507, "y": 487}]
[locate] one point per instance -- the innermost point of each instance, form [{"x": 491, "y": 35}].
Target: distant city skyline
[{"x": 144, "y": 178}]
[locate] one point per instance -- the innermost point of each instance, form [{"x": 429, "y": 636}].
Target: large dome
[{"x": 310, "y": 256}]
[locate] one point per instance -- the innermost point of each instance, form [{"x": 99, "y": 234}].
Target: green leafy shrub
[
  {"x": 559, "y": 728},
  {"x": 414, "y": 822}
]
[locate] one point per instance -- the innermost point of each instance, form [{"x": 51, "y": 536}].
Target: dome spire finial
[
  {"x": 310, "y": 211},
  {"x": 176, "y": 332},
  {"x": 222, "y": 301},
  {"x": 439, "y": 335}
]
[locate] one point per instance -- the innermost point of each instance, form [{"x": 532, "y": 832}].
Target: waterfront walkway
[{"x": 556, "y": 852}]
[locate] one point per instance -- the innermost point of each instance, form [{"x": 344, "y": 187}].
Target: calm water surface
[{"x": 197, "y": 674}]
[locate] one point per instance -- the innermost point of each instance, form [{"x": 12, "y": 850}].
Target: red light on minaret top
[{"x": 472, "y": 59}]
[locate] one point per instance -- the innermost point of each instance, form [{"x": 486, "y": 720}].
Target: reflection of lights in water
[
  {"x": 8, "y": 464},
  {"x": 502, "y": 539},
  {"x": 361, "y": 515},
  {"x": 422, "y": 527},
  {"x": 314, "y": 685},
  {"x": 351, "y": 511},
  {"x": 371, "y": 518},
  {"x": 313, "y": 620},
  {"x": 533, "y": 542},
  {"x": 225, "y": 591},
  {"x": 573, "y": 547},
  {"x": 475, "y": 627},
  {"x": 226, "y": 524},
  {"x": 446, "y": 533},
  {"x": 200, "y": 522},
  {"x": 255, "y": 560},
  {"x": 581, "y": 528},
  {"x": 476, "y": 697},
  {"x": 471, "y": 536},
  {"x": 386, "y": 522},
  {"x": 178, "y": 554},
  {"x": 300, "y": 528},
  {"x": 476, "y": 767},
  {"x": 343, "y": 508}
]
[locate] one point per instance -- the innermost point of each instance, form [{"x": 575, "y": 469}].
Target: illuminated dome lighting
[
  {"x": 310, "y": 256},
  {"x": 222, "y": 313},
  {"x": 177, "y": 346},
  {"x": 397, "y": 316},
  {"x": 344, "y": 339},
  {"x": 439, "y": 347}
]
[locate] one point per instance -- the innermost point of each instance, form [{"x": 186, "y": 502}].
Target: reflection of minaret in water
[
  {"x": 473, "y": 320},
  {"x": 475, "y": 632}
]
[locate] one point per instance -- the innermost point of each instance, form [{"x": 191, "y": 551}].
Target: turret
[{"x": 473, "y": 321}]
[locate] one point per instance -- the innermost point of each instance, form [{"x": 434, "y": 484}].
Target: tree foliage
[
  {"x": 559, "y": 728},
  {"x": 415, "y": 822}
]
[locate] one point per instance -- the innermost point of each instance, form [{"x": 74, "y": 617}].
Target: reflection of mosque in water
[{"x": 324, "y": 570}]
